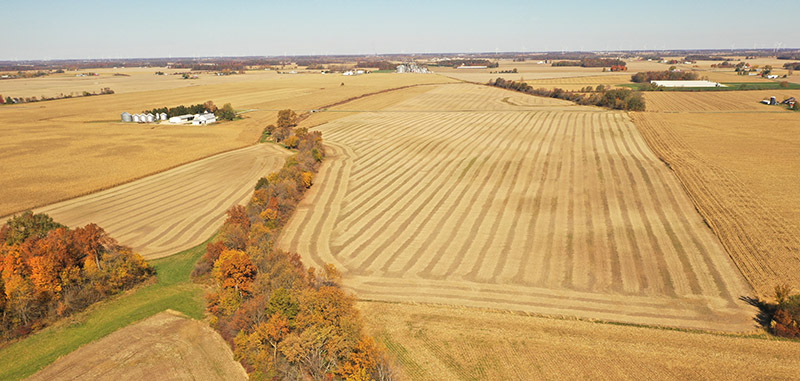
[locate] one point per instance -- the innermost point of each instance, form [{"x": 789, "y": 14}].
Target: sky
[{"x": 82, "y": 29}]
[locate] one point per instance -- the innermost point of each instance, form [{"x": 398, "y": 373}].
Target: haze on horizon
[{"x": 87, "y": 29}]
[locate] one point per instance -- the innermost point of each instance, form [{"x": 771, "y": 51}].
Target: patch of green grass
[{"x": 173, "y": 290}]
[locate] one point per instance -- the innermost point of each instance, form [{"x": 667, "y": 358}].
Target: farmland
[
  {"x": 723, "y": 101},
  {"x": 167, "y": 344},
  {"x": 177, "y": 209},
  {"x": 740, "y": 169},
  {"x": 56, "y": 150},
  {"x": 480, "y": 206},
  {"x": 433, "y": 199},
  {"x": 445, "y": 342}
]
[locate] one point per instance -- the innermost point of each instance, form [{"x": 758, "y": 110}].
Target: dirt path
[
  {"x": 541, "y": 210},
  {"x": 164, "y": 346},
  {"x": 174, "y": 210}
]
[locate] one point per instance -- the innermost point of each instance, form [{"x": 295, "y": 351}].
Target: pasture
[{"x": 482, "y": 197}]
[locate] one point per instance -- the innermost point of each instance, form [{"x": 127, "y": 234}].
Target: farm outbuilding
[
  {"x": 126, "y": 117},
  {"x": 206, "y": 118},
  {"x": 137, "y": 118},
  {"x": 149, "y": 118},
  {"x": 180, "y": 119},
  {"x": 162, "y": 116}
]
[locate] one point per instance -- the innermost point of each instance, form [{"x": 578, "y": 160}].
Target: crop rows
[
  {"x": 763, "y": 245},
  {"x": 172, "y": 211},
  {"x": 546, "y": 211}
]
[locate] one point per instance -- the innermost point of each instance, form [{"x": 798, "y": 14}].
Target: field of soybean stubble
[{"x": 482, "y": 197}]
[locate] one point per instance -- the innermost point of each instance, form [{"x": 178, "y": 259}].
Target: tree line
[
  {"x": 617, "y": 99},
  {"x": 672, "y": 75},
  {"x": 592, "y": 62},
  {"x": 283, "y": 320},
  {"x": 381, "y": 65},
  {"x": 465, "y": 62},
  {"x": 48, "y": 271},
  {"x": 15, "y": 100},
  {"x": 792, "y": 66},
  {"x": 226, "y": 112}
]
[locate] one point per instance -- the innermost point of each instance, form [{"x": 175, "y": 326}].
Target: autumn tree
[
  {"x": 48, "y": 270},
  {"x": 210, "y": 106},
  {"x": 233, "y": 269}
]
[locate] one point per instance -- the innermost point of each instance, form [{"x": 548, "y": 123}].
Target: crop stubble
[{"x": 457, "y": 197}]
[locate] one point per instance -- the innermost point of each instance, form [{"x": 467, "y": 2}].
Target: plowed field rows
[{"x": 538, "y": 210}]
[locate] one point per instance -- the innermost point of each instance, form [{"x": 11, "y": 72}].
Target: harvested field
[
  {"x": 741, "y": 172},
  {"x": 165, "y": 346},
  {"x": 441, "y": 342},
  {"x": 549, "y": 208},
  {"x": 61, "y": 149},
  {"x": 174, "y": 210},
  {"x": 715, "y": 101},
  {"x": 578, "y": 82}
]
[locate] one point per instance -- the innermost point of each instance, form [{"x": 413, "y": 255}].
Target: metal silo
[{"x": 126, "y": 117}]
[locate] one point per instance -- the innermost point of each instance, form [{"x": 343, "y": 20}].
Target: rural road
[{"x": 171, "y": 211}]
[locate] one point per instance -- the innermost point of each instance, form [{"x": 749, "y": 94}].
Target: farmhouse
[{"x": 687, "y": 83}]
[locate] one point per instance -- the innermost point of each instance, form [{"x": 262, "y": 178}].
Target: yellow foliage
[{"x": 308, "y": 179}]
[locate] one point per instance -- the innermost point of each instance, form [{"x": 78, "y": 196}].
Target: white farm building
[
  {"x": 687, "y": 83},
  {"x": 206, "y": 118}
]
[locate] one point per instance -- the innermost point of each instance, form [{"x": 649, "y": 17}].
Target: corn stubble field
[{"x": 461, "y": 195}]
